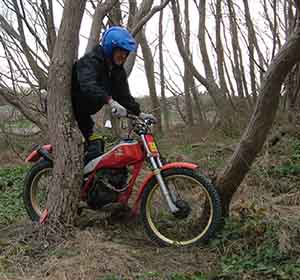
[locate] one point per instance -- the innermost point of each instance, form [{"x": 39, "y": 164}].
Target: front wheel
[{"x": 199, "y": 209}]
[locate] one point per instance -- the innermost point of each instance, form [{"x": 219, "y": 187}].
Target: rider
[{"x": 98, "y": 79}]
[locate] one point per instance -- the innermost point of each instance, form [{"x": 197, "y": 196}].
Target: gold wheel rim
[
  {"x": 34, "y": 191},
  {"x": 162, "y": 236}
]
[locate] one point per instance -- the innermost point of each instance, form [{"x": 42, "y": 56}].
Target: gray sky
[{"x": 137, "y": 80}]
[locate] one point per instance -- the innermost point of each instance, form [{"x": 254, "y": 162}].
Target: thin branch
[{"x": 146, "y": 18}]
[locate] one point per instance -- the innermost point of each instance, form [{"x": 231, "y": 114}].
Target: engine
[{"x": 107, "y": 186}]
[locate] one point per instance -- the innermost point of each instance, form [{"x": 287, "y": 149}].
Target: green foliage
[
  {"x": 155, "y": 275},
  {"x": 292, "y": 165},
  {"x": 278, "y": 169},
  {"x": 64, "y": 252},
  {"x": 187, "y": 149},
  {"x": 149, "y": 275},
  {"x": 109, "y": 277},
  {"x": 11, "y": 187},
  {"x": 249, "y": 246},
  {"x": 197, "y": 276},
  {"x": 286, "y": 169},
  {"x": 19, "y": 124}
]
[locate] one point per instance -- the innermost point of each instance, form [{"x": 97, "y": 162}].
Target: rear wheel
[
  {"x": 198, "y": 203},
  {"x": 36, "y": 186}
]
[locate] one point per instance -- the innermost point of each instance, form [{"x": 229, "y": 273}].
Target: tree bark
[
  {"x": 261, "y": 121},
  {"x": 235, "y": 46},
  {"x": 213, "y": 89},
  {"x": 198, "y": 104},
  {"x": 49, "y": 20},
  {"x": 149, "y": 69},
  {"x": 165, "y": 111},
  {"x": 26, "y": 111},
  {"x": 63, "y": 197},
  {"x": 100, "y": 12},
  {"x": 251, "y": 34},
  {"x": 137, "y": 19},
  {"x": 188, "y": 77},
  {"x": 219, "y": 47},
  {"x": 292, "y": 82}
]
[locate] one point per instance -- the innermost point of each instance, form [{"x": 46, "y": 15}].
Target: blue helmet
[{"x": 117, "y": 37}]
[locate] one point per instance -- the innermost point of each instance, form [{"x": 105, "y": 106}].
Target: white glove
[
  {"x": 146, "y": 116},
  {"x": 117, "y": 109}
]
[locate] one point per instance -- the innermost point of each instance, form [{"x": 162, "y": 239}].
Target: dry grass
[{"x": 103, "y": 250}]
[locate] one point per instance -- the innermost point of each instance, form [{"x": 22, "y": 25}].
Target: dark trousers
[{"x": 84, "y": 107}]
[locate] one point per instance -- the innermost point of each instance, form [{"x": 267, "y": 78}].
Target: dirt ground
[{"x": 98, "y": 248}]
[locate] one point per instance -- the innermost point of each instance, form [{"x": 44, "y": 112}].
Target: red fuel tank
[{"x": 125, "y": 153}]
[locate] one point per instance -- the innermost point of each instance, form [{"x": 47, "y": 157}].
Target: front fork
[{"x": 156, "y": 165}]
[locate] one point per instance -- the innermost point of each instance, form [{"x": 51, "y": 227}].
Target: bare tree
[
  {"x": 251, "y": 46},
  {"x": 100, "y": 12},
  {"x": 149, "y": 69},
  {"x": 27, "y": 63},
  {"x": 138, "y": 17},
  {"x": 63, "y": 197},
  {"x": 219, "y": 47},
  {"x": 165, "y": 111},
  {"x": 29, "y": 45},
  {"x": 235, "y": 48},
  {"x": 261, "y": 121},
  {"x": 208, "y": 81},
  {"x": 188, "y": 77},
  {"x": 292, "y": 83}
]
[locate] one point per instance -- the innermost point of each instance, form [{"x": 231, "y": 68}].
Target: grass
[
  {"x": 11, "y": 188},
  {"x": 19, "y": 124},
  {"x": 155, "y": 275},
  {"x": 251, "y": 246}
]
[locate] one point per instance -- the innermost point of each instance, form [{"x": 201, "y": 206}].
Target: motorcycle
[{"x": 177, "y": 204}]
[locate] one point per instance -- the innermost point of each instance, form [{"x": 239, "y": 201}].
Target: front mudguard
[
  {"x": 186, "y": 165},
  {"x": 40, "y": 152}
]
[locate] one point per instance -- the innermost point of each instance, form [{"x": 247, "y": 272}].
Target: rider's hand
[
  {"x": 117, "y": 109},
  {"x": 146, "y": 116}
]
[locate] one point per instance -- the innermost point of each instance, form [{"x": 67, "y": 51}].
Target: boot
[{"x": 94, "y": 148}]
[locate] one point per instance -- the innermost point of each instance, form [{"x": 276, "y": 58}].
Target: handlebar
[
  {"x": 128, "y": 116},
  {"x": 139, "y": 125},
  {"x": 135, "y": 117}
]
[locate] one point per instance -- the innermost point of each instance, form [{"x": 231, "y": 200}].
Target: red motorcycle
[{"x": 178, "y": 205}]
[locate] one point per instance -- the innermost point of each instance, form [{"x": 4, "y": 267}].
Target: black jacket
[{"x": 93, "y": 82}]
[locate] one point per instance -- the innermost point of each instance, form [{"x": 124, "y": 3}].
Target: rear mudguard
[
  {"x": 40, "y": 152},
  {"x": 167, "y": 166}
]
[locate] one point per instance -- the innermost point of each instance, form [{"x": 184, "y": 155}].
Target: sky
[{"x": 137, "y": 79}]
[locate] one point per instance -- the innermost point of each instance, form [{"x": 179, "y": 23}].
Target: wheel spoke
[
  {"x": 39, "y": 190},
  {"x": 194, "y": 202}
]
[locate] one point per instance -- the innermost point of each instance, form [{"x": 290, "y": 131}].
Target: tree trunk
[
  {"x": 218, "y": 96},
  {"x": 63, "y": 197},
  {"x": 293, "y": 94},
  {"x": 100, "y": 12},
  {"x": 49, "y": 19},
  {"x": 198, "y": 105},
  {"x": 219, "y": 47},
  {"x": 13, "y": 99},
  {"x": 261, "y": 121},
  {"x": 292, "y": 82},
  {"x": 188, "y": 77},
  {"x": 165, "y": 110},
  {"x": 149, "y": 69},
  {"x": 251, "y": 34}
]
